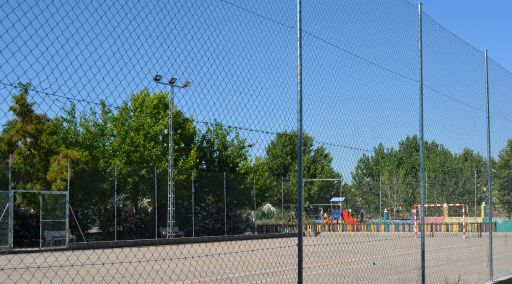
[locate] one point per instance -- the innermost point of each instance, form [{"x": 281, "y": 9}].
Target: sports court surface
[{"x": 328, "y": 258}]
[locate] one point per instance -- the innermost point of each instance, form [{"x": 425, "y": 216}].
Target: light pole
[{"x": 170, "y": 180}]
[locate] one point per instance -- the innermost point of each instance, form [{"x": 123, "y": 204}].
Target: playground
[
  {"x": 442, "y": 218},
  {"x": 329, "y": 258}
]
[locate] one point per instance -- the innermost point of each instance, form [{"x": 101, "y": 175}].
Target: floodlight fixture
[
  {"x": 157, "y": 78},
  {"x": 172, "y": 81},
  {"x": 186, "y": 84}
]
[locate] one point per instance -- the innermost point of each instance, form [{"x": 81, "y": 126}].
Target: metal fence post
[
  {"x": 193, "y": 206},
  {"x": 11, "y": 207},
  {"x": 40, "y": 220},
  {"x": 489, "y": 167},
  {"x": 254, "y": 197},
  {"x": 115, "y": 202},
  {"x": 225, "y": 208},
  {"x": 300, "y": 185},
  {"x": 475, "y": 193},
  {"x": 422, "y": 165},
  {"x": 341, "y": 194},
  {"x": 426, "y": 190},
  {"x": 156, "y": 203},
  {"x": 380, "y": 195},
  {"x": 67, "y": 205}
]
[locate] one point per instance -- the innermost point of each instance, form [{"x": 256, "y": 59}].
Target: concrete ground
[{"x": 328, "y": 258}]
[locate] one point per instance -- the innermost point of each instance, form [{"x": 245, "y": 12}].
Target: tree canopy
[{"x": 127, "y": 147}]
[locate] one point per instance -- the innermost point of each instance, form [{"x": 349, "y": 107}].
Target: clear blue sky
[
  {"x": 484, "y": 24},
  {"x": 360, "y": 65}
]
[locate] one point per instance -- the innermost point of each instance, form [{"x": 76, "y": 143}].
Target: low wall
[{"x": 466, "y": 219}]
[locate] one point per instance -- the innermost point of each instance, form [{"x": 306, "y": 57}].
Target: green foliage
[
  {"x": 31, "y": 138},
  {"x": 280, "y": 163},
  {"x": 131, "y": 143},
  {"x": 58, "y": 170},
  {"x": 394, "y": 173},
  {"x": 504, "y": 178},
  {"x": 222, "y": 149}
]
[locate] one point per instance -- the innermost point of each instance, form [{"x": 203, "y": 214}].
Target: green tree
[
  {"x": 31, "y": 139},
  {"x": 395, "y": 172},
  {"x": 281, "y": 162},
  {"x": 370, "y": 173},
  {"x": 504, "y": 178},
  {"x": 221, "y": 151}
]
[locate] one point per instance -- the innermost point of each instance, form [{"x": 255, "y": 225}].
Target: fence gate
[
  {"x": 53, "y": 217},
  {"x": 54, "y": 221}
]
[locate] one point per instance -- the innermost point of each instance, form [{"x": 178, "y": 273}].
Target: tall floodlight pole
[
  {"x": 170, "y": 177},
  {"x": 300, "y": 185},
  {"x": 422, "y": 165},
  {"x": 489, "y": 168}
]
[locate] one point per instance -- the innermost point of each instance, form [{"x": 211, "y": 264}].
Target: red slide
[{"x": 349, "y": 220}]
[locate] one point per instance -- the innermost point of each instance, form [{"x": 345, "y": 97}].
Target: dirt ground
[{"x": 328, "y": 258}]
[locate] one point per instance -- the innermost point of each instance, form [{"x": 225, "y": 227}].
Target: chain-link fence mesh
[
  {"x": 83, "y": 110},
  {"x": 455, "y": 128},
  {"x": 500, "y": 82},
  {"x": 360, "y": 99}
]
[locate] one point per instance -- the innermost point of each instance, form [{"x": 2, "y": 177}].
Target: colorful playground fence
[{"x": 399, "y": 227}]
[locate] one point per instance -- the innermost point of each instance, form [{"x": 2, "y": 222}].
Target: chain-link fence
[
  {"x": 157, "y": 142},
  {"x": 500, "y": 83}
]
